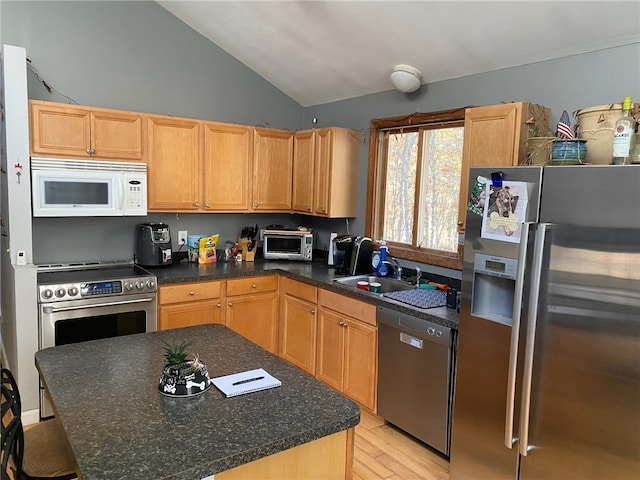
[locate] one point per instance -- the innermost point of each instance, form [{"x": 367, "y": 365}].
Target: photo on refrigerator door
[{"x": 504, "y": 211}]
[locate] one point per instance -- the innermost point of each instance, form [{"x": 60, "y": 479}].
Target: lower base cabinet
[
  {"x": 298, "y": 324},
  {"x": 252, "y": 310},
  {"x": 347, "y": 347},
  {"x": 188, "y": 304}
]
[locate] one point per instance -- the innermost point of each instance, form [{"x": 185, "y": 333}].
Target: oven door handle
[{"x": 51, "y": 309}]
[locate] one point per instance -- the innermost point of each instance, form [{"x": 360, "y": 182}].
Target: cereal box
[{"x": 207, "y": 253}]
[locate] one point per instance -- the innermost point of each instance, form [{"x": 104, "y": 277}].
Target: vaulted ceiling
[{"x": 323, "y": 51}]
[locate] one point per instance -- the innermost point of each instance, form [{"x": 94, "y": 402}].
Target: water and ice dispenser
[{"x": 494, "y": 284}]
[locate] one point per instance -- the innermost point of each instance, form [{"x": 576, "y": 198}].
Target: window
[{"x": 415, "y": 170}]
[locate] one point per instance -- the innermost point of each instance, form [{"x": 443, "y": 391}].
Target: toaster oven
[{"x": 287, "y": 243}]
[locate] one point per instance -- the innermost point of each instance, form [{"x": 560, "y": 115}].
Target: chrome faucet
[
  {"x": 418, "y": 276},
  {"x": 393, "y": 262}
]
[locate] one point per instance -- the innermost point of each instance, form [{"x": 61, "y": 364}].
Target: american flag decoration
[{"x": 564, "y": 126}]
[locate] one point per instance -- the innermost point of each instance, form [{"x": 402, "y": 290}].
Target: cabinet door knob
[
  {"x": 192, "y": 293},
  {"x": 197, "y": 204},
  {"x": 308, "y": 209},
  {"x": 219, "y": 305},
  {"x": 253, "y": 285},
  {"x": 255, "y": 205},
  {"x": 312, "y": 311},
  {"x": 460, "y": 224},
  {"x": 208, "y": 205},
  {"x": 230, "y": 304},
  {"x": 324, "y": 210}
]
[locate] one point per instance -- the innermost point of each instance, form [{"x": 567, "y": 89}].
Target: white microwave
[
  {"x": 287, "y": 245},
  {"x": 78, "y": 188}
]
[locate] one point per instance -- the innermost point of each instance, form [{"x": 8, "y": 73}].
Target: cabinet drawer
[
  {"x": 244, "y": 286},
  {"x": 301, "y": 290},
  {"x": 362, "y": 311},
  {"x": 186, "y": 292}
]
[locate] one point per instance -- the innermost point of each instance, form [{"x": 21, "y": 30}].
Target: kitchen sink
[{"x": 387, "y": 284}]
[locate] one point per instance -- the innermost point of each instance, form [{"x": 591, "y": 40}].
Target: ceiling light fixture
[{"x": 405, "y": 78}]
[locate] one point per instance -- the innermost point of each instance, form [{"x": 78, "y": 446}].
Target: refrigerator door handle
[
  {"x": 532, "y": 316},
  {"x": 509, "y": 438}
]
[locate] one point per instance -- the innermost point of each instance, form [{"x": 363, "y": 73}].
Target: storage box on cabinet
[
  {"x": 298, "y": 324},
  {"x": 189, "y": 304},
  {"x": 252, "y": 309},
  {"x": 347, "y": 347}
]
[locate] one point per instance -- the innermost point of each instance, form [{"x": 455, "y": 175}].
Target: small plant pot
[{"x": 184, "y": 380}]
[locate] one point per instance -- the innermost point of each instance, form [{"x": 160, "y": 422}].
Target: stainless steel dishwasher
[{"x": 415, "y": 365}]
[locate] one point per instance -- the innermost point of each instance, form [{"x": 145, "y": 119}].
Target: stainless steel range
[{"x": 90, "y": 301}]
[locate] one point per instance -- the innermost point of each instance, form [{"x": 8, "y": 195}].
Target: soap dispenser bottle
[{"x": 383, "y": 267}]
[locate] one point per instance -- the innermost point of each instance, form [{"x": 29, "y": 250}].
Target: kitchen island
[{"x": 105, "y": 393}]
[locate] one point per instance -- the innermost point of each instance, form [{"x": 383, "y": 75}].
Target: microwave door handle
[{"x": 119, "y": 194}]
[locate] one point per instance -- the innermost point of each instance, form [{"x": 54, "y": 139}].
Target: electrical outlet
[{"x": 182, "y": 237}]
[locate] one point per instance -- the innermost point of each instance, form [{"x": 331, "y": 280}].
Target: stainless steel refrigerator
[{"x": 548, "y": 368}]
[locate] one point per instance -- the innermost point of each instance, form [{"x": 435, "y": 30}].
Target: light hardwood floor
[{"x": 382, "y": 451}]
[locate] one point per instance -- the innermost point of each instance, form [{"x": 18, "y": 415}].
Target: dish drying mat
[{"x": 419, "y": 298}]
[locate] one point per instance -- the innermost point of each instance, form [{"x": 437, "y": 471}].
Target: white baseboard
[{"x": 30, "y": 416}]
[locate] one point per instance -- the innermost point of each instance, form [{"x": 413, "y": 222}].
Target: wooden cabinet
[
  {"x": 228, "y": 151},
  {"x": 74, "y": 131},
  {"x": 298, "y": 324},
  {"x": 173, "y": 176},
  {"x": 303, "y": 156},
  {"x": 347, "y": 357},
  {"x": 272, "y": 169},
  {"x": 187, "y": 304},
  {"x": 495, "y": 135},
  {"x": 325, "y": 170},
  {"x": 252, "y": 309}
]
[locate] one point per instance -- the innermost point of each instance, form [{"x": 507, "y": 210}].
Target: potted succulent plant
[{"x": 182, "y": 377}]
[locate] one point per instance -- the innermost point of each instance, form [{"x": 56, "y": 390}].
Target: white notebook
[{"x": 245, "y": 382}]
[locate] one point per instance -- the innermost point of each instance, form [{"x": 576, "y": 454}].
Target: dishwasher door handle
[{"x": 411, "y": 341}]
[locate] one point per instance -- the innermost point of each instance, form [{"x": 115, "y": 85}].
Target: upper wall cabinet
[
  {"x": 173, "y": 158},
  {"x": 82, "y": 132},
  {"x": 495, "y": 135},
  {"x": 272, "y": 169},
  {"x": 325, "y": 172},
  {"x": 228, "y": 153}
]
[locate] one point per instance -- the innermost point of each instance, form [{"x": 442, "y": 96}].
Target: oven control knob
[
  {"x": 73, "y": 291},
  {"x": 48, "y": 293},
  {"x": 139, "y": 284},
  {"x": 431, "y": 331},
  {"x": 151, "y": 284},
  {"x": 60, "y": 292},
  {"x": 128, "y": 286}
]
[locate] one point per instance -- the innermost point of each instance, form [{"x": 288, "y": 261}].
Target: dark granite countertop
[
  {"x": 120, "y": 426},
  {"x": 317, "y": 273}
]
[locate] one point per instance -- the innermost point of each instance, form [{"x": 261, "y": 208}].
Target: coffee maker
[
  {"x": 352, "y": 254},
  {"x": 153, "y": 244}
]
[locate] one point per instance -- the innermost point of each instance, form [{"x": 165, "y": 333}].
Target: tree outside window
[{"x": 414, "y": 186}]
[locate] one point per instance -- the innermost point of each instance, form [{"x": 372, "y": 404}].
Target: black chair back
[{"x": 12, "y": 432}]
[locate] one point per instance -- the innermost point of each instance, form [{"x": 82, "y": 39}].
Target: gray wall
[{"x": 137, "y": 56}]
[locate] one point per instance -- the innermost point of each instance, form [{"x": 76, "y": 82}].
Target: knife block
[{"x": 247, "y": 256}]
